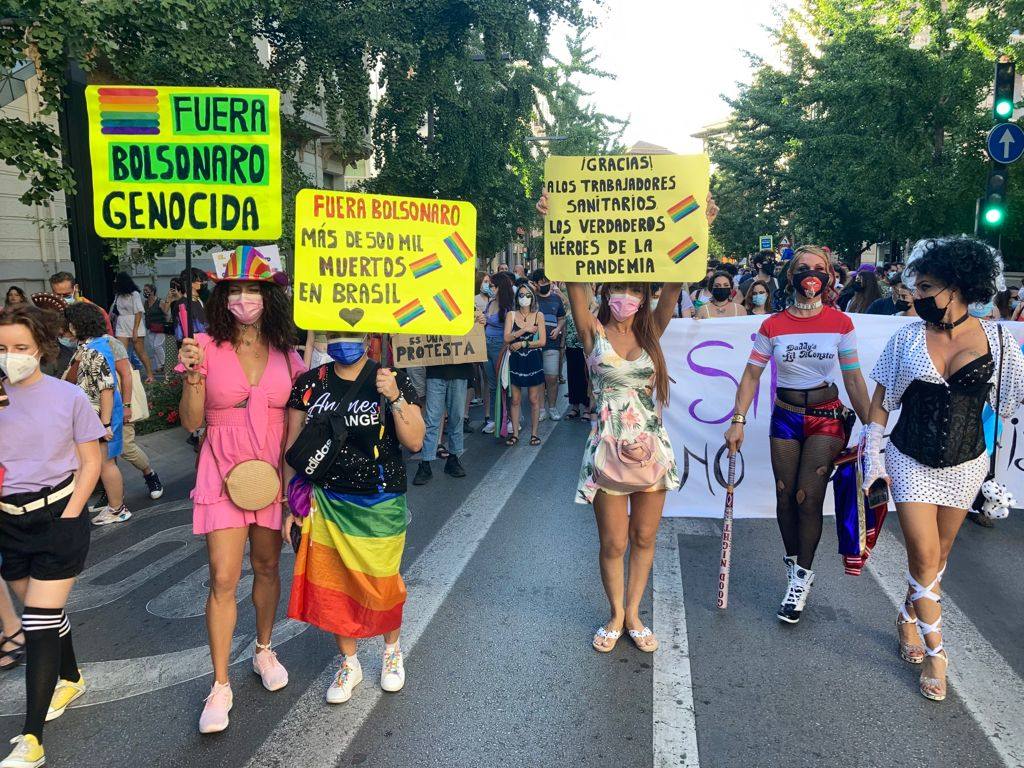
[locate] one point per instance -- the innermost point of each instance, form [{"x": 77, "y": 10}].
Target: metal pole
[{"x": 188, "y": 289}]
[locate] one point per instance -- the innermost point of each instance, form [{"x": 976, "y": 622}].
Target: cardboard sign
[
  {"x": 384, "y": 264},
  {"x": 185, "y": 163},
  {"x": 629, "y": 218},
  {"x": 439, "y": 350}
]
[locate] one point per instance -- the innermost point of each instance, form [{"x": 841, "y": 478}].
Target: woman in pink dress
[{"x": 237, "y": 382}]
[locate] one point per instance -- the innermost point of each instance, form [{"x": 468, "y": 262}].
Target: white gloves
[{"x": 872, "y": 463}]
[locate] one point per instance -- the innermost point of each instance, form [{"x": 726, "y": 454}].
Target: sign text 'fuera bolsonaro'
[{"x": 185, "y": 163}]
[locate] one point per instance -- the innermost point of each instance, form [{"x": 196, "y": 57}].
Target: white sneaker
[
  {"x": 392, "y": 673},
  {"x": 349, "y": 676},
  {"x": 488, "y": 427},
  {"x": 543, "y": 414},
  {"x": 555, "y": 415},
  {"x": 109, "y": 515},
  {"x": 27, "y": 753},
  {"x": 476, "y": 401}
]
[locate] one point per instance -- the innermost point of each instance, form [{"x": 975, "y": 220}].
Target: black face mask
[
  {"x": 811, "y": 283},
  {"x": 858, "y": 287},
  {"x": 929, "y": 311},
  {"x": 544, "y": 290},
  {"x": 721, "y": 294},
  {"x": 901, "y": 306}
]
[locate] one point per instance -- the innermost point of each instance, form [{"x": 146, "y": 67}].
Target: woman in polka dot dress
[{"x": 939, "y": 372}]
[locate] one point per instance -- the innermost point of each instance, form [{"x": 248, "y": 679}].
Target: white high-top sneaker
[{"x": 797, "y": 591}]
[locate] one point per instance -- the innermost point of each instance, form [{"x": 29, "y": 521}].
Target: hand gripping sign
[
  {"x": 384, "y": 264},
  {"x": 628, "y": 218},
  {"x": 185, "y": 163}
]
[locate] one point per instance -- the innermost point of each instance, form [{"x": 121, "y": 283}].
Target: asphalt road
[{"x": 504, "y": 596}]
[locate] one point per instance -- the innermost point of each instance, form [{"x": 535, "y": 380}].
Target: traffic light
[
  {"x": 993, "y": 209},
  {"x": 1002, "y": 98}
]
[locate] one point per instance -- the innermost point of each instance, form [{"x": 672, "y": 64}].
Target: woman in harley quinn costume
[{"x": 810, "y": 425}]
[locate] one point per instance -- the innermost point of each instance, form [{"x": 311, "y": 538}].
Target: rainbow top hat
[{"x": 249, "y": 262}]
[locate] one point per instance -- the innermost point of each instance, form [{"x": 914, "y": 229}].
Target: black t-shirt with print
[{"x": 356, "y": 470}]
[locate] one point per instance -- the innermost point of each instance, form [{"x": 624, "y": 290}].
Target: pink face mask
[
  {"x": 623, "y": 305},
  {"x": 246, "y": 307}
]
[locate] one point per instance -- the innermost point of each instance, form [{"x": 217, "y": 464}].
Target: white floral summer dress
[{"x": 624, "y": 407}]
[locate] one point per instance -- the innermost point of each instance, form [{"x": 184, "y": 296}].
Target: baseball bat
[{"x": 726, "y": 559}]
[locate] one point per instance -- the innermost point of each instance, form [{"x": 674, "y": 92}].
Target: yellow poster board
[
  {"x": 185, "y": 163},
  {"x": 384, "y": 264},
  {"x": 629, "y": 218}
]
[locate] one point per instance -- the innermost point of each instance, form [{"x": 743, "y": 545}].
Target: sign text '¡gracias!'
[
  {"x": 630, "y": 216},
  {"x": 178, "y": 162}
]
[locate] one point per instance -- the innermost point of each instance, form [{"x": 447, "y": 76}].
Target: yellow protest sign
[
  {"x": 384, "y": 264},
  {"x": 185, "y": 163},
  {"x": 631, "y": 218},
  {"x": 439, "y": 350}
]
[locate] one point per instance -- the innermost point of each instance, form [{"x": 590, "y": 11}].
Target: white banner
[{"x": 706, "y": 359}]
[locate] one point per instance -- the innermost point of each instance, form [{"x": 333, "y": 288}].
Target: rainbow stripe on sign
[
  {"x": 409, "y": 312},
  {"x": 425, "y": 266},
  {"x": 447, "y": 304},
  {"x": 129, "y": 111},
  {"x": 683, "y": 250},
  {"x": 458, "y": 248},
  {"x": 683, "y": 208}
]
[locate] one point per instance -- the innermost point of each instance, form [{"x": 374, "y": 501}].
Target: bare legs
[
  {"x": 536, "y": 403},
  {"x": 616, "y": 529},
  {"x": 349, "y": 645},
  {"x": 138, "y": 342},
  {"x": 113, "y": 481},
  {"x": 226, "y": 548}
]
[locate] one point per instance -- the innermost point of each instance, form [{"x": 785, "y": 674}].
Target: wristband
[{"x": 739, "y": 418}]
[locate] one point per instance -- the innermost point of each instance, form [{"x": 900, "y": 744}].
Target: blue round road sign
[{"x": 1006, "y": 143}]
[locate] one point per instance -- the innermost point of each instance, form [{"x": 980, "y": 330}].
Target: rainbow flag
[
  {"x": 447, "y": 304},
  {"x": 683, "y": 208},
  {"x": 409, "y": 312},
  {"x": 683, "y": 250},
  {"x": 129, "y": 111},
  {"x": 346, "y": 578},
  {"x": 458, "y": 248},
  {"x": 425, "y": 266}
]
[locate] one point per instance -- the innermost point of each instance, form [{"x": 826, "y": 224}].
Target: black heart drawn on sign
[{"x": 351, "y": 316}]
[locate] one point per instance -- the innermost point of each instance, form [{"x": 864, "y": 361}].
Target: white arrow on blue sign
[{"x": 1006, "y": 143}]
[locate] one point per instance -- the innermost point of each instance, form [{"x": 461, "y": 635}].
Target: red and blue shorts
[{"x": 794, "y": 422}]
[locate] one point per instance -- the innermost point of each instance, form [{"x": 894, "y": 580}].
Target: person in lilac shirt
[{"x": 51, "y": 461}]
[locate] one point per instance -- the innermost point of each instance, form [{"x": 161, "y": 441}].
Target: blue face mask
[
  {"x": 759, "y": 299},
  {"x": 346, "y": 352},
  {"x": 980, "y": 310}
]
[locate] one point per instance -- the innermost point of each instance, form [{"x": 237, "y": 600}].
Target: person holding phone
[
  {"x": 50, "y": 459},
  {"x": 525, "y": 336},
  {"x": 809, "y": 424},
  {"x": 353, "y": 512},
  {"x": 940, "y": 372}
]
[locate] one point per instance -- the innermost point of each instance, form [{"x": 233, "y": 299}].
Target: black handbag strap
[{"x": 337, "y": 416}]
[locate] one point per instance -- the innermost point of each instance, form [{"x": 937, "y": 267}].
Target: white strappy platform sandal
[
  {"x": 912, "y": 653},
  {"x": 926, "y": 684}
]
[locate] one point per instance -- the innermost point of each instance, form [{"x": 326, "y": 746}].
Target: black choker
[{"x": 951, "y": 326}]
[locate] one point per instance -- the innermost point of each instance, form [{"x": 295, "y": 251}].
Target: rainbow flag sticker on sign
[
  {"x": 631, "y": 218},
  {"x": 384, "y": 264}
]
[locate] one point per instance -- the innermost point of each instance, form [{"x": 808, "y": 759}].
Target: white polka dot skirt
[{"x": 954, "y": 487}]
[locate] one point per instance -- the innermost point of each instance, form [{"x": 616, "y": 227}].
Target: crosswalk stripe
[
  {"x": 430, "y": 578},
  {"x": 675, "y": 725},
  {"x": 992, "y": 693}
]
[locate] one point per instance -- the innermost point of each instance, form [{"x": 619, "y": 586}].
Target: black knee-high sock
[
  {"x": 68, "y": 660},
  {"x": 42, "y": 660}
]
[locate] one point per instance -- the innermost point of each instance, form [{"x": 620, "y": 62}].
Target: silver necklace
[{"x": 812, "y": 305}]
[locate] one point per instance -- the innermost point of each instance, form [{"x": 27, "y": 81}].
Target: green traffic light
[
  {"x": 1004, "y": 108},
  {"x": 994, "y": 216}
]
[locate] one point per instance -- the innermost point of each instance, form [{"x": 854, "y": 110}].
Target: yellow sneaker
[
  {"x": 27, "y": 753},
  {"x": 65, "y": 693}
]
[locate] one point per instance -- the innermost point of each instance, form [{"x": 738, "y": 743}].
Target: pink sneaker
[
  {"x": 270, "y": 670},
  {"x": 215, "y": 714}
]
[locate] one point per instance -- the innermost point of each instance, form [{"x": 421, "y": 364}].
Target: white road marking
[
  {"x": 992, "y": 693},
  {"x": 316, "y": 734},
  {"x": 675, "y": 725}
]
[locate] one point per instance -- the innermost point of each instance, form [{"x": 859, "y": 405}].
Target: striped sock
[
  {"x": 68, "y": 660},
  {"x": 42, "y": 660}
]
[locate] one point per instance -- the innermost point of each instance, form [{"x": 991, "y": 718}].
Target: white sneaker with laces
[
  {"x": 27, "y": 753},
  {"x": 392, "y": 673},
  {"x": 488, "y": 427},
  {"x": 109, "y": 515},
  {"x": 555, "y": 415},
  {"x": 350, "y": 674}
]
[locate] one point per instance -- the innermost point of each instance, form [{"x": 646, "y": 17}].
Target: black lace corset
[{"x": 940, "y": 424}]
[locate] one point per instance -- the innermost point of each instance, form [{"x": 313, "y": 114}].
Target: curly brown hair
[
  {"x": 44, "y": 326},
  {"x": 276, "y": 324}
]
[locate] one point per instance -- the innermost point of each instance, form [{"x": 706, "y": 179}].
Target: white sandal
[
  {"x": 926, "y": 593},
  {"x": 641, "y": 641},
  {"x": 605, "y": 634}
]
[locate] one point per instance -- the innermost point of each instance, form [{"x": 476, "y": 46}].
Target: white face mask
[
  {"x": 525, "y": 301},
  {"x": 17, "y": 366}
]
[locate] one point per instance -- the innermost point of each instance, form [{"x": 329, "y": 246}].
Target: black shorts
[{"x": 43, "y": 545}]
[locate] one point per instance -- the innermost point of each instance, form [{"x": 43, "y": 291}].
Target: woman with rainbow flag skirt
[
  {"x": 810, "y": 426},
  {"x": 353, "y": 511}
]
